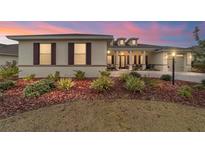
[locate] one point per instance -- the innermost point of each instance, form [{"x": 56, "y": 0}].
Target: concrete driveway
[{"x": 186, "y": 76}]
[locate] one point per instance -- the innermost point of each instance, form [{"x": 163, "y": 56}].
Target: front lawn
[
  {"x": 113, "y": 115},
  {"x": 13, "y": 100}
]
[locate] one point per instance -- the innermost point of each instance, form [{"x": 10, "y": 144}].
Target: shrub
[
  {"x": 185, "y": 91},
  {"x": 150, "y": 82},
  {"x": 29, "y": 77},
  {"x": 166, "y": 77},
  {"x": 124, "y": 76},
  {"x": 65, "y": 84},
  {"x": 1, "y": 96},
  {"x": 80, "y": 75},
  {"x": 38, "y": 88},
  {"x": 105, "y": 73},
  {"x": 9, "y": 70},
  {"x": 199, "y": 87},
  {"x": 54, "y": 77},
  {"x": 6, "y": 85},
  {"x": 135, "y": 74},
  {"x": 198, "y": 68},
  {"x": 134, "y": 84},
  {"x": 102, "y": 84},
  {"x": 48, "y": 82},
  {"x": 203, "y": 82}
]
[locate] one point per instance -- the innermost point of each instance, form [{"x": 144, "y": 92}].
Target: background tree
[{"x": 199, "y": 50}]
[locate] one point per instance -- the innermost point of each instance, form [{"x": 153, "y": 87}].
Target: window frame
[
  {"x": 122, "y": 42},
  {"x": 41, "y": 53},
  {"x": 74, "y": 63},
  {"x": 134, "y": 42}
]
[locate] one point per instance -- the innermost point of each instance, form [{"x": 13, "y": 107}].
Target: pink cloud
[
  {"x": 13, "y": 28},
  {"x": 154, "y": 33}
]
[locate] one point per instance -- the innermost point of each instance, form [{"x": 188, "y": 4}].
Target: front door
[{"x": 122, "y": 61}]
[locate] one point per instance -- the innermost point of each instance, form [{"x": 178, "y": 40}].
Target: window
[
  {"x": 80, "y": 54},
  {"x": 133, "y": 42},
  {"x": 121, "y": 42},
  {"x": 45, "y": 54},
  {"x": 109, "y": 59}
]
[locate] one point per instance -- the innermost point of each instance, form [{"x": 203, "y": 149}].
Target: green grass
[{"x": 118, "y": 115}]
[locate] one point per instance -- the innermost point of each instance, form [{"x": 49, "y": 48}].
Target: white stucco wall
[
  {"x": 4, "y": 59},
  {"x": 98, "y": 59},
  {"x": 65, "y": 71},
  {"x": 159, "y": 59}
]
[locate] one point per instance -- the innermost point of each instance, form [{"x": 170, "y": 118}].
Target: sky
[{"x": 171, "y": 33}]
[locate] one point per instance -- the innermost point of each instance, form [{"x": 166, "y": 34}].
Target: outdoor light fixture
[
  {"x": 173, "y": 67},
  {"x": 173, "y": 54}
]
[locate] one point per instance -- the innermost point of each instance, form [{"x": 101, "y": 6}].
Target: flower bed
[{"x": 14, "y": 102}]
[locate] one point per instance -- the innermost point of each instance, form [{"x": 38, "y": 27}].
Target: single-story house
[
  {"x": 8, "y": 53},
  {"x": 91, "y": 53}
]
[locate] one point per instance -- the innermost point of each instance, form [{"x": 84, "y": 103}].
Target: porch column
[
  {"x": 130, "y": 60},
  {"x": 187, "y": 61},
  {"x": 117, "y": 60},
  {"x": 165, "y": 61},
  {"x": 143, "y": 60}
]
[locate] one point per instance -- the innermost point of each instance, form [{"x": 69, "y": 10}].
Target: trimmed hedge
[{"x": 166, "y": 77}]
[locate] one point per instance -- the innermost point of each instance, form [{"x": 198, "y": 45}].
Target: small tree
[{"x": 199, "y": 50}]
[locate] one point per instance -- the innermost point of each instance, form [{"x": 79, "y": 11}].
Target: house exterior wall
[
  {"x": 65, "y": 71},
  {"x": 187, "y": 61},
  {"x": 159, "y": 59},
  {"x": 98, "y": 59},
  {"x": 4, "y": 59}
]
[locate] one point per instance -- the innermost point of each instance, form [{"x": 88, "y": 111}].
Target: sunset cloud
[
  {"x": 161, "y": 33},
  {"x": 14, "y": 28}
]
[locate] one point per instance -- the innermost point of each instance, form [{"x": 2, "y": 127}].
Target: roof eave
[{"x": 63, "y": 37}]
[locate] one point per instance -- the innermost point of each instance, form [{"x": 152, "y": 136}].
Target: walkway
[{"x": 186, "y": 76}]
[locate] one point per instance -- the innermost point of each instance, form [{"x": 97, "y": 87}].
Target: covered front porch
[
  {"x": 126, "y": 60},
  {"x": 148, "y": 59}
]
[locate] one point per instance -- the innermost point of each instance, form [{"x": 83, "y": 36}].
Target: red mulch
[{"x": 14, "y": 102}]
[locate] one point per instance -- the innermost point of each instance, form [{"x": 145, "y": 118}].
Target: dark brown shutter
[
  {"x": 135, "y": 59},
  {"x": 36, "y": 53},
  {"x": 112, "y": 59},
  {"x": 53, "y": 54},
  {"x": 88, "y": 53},
  {"x": 71, "y": 53}
]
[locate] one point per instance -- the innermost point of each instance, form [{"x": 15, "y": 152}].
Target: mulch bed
[{"x": 14, "y": 102}]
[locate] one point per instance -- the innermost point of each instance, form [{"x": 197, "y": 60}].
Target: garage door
[{"x": 179, "y": 64}]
